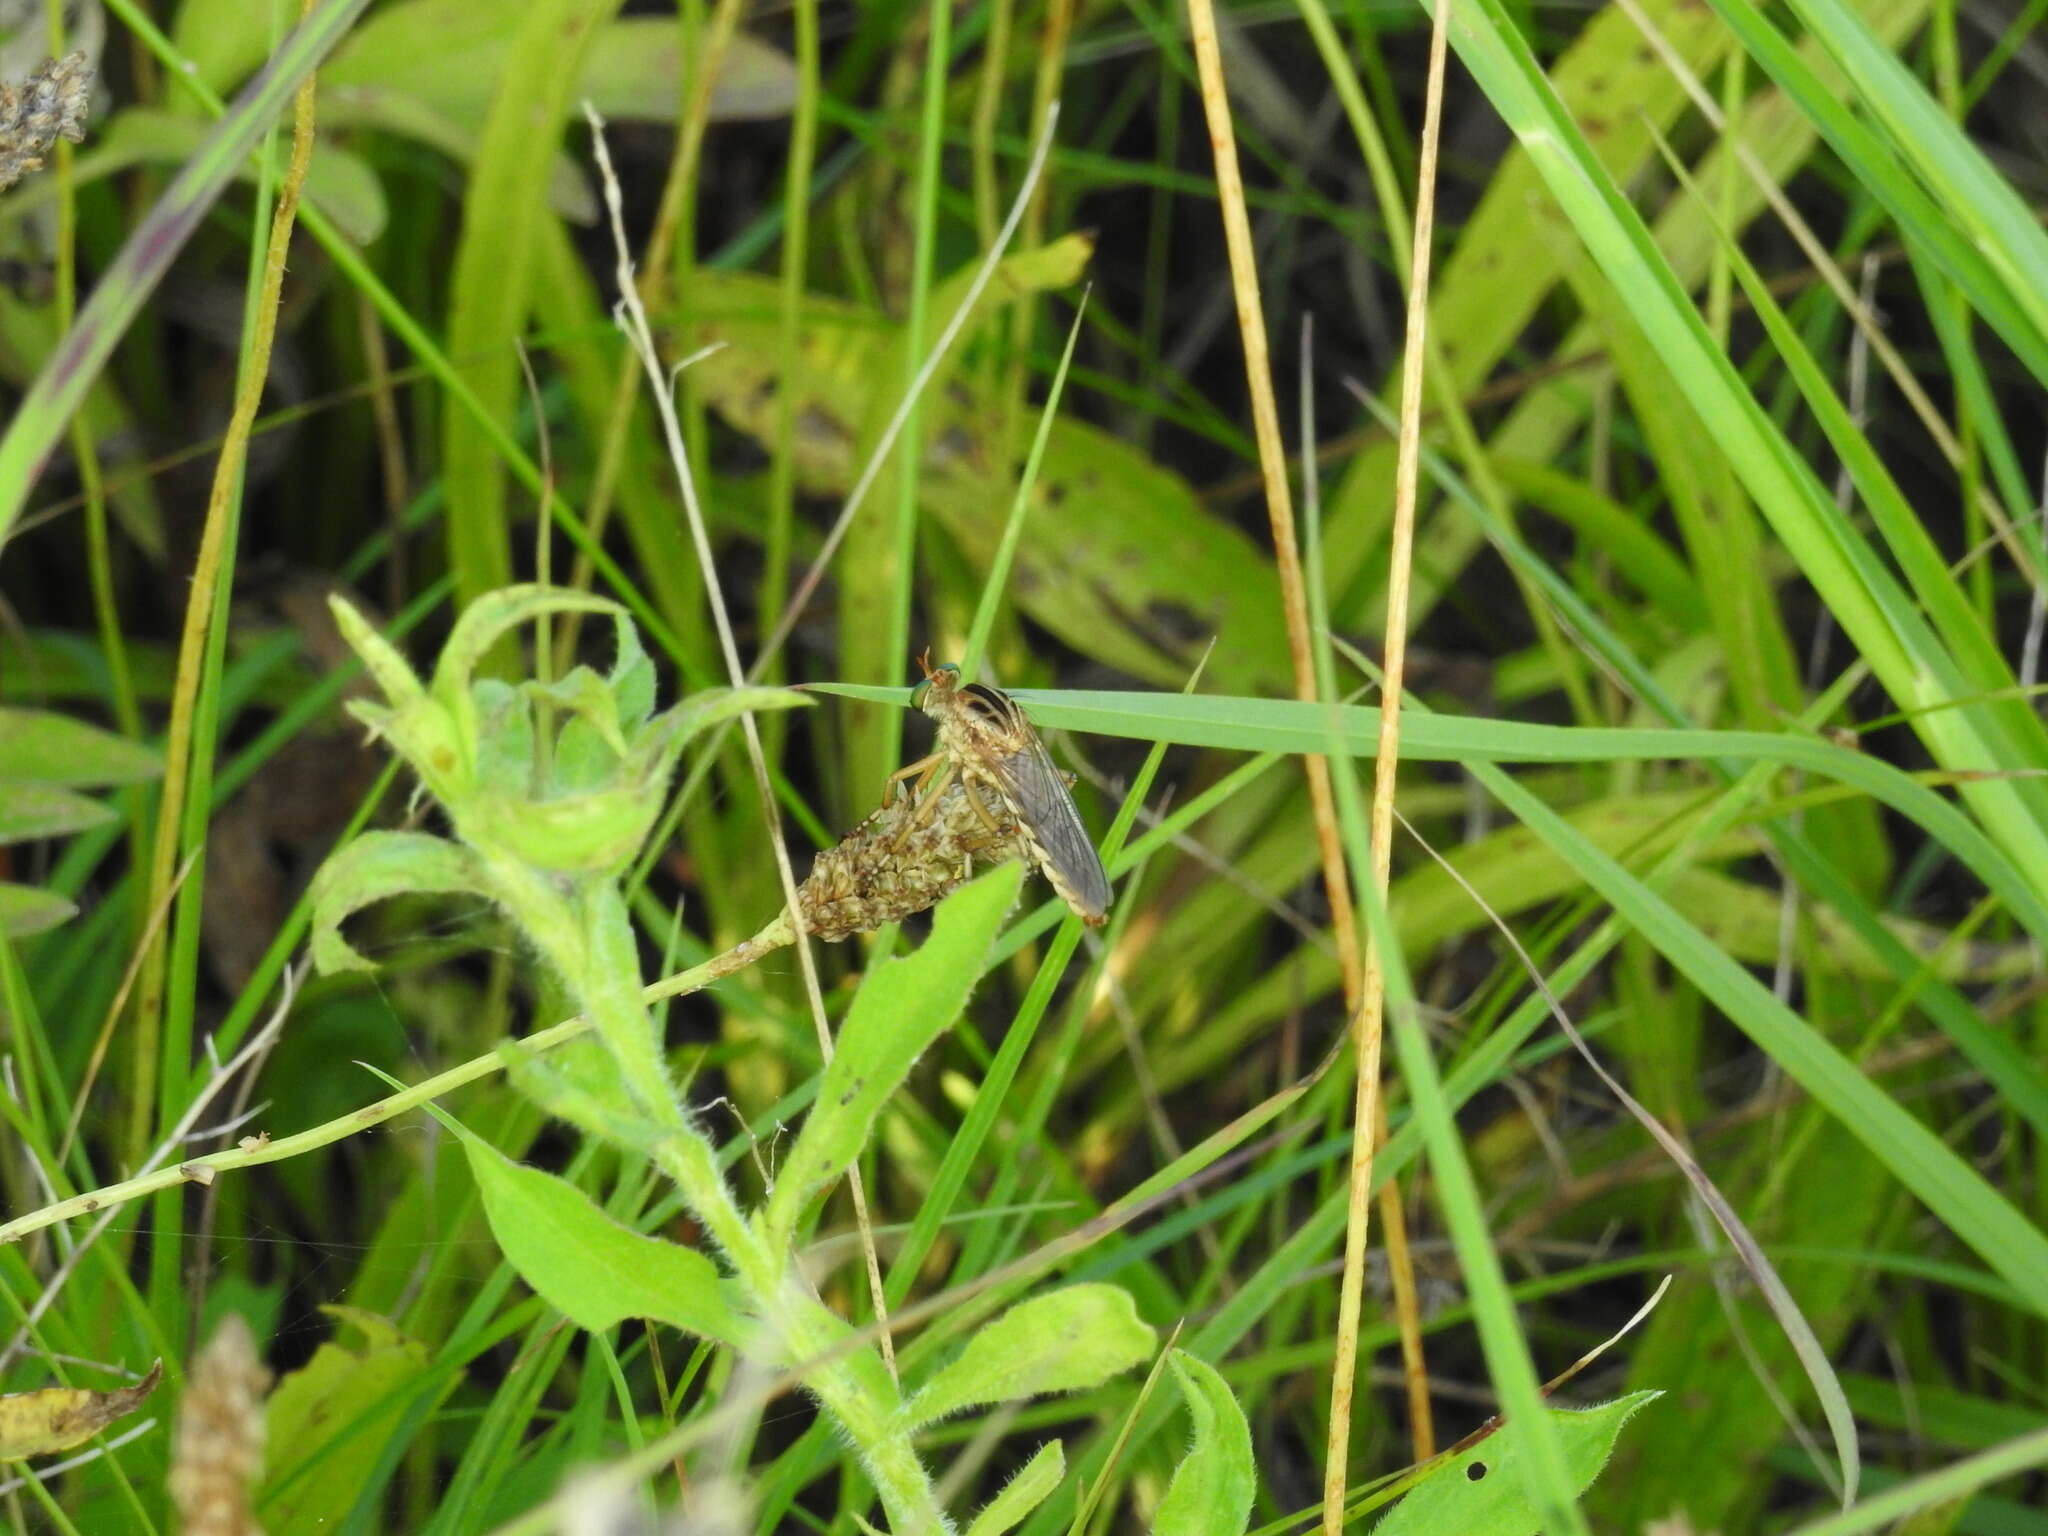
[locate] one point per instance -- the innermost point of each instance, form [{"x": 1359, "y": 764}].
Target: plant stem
[
  {"x": 587, "y": 935},
  {"x": 200, "y": 1170}
]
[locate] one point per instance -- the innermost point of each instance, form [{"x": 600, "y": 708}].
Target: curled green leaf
[
  {"x": 375, "y": 867},
  {"x": 487, "y": 620},
  {"x": 1212, "y": 1488}
]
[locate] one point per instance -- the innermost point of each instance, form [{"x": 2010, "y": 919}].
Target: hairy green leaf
[
  {"x": 375, "y": 867},
  {"x": 587, "y": 1266},
  {"x": 901, "y": 1007},
  {"x": 1023, "y": 1493},
  {"x": 492, "y": 616},
  {"x": 1065, "y": 1341},
  {"x": 1212, "y": 1488}
]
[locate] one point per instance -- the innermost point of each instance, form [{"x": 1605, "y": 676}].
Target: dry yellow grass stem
[
  {"x": 1361, "y": 982},
  {"x": 632, "y": 318},
  {"x": 1251, "y": 324},
  {"x": 206, "y": 583},
  {"x": 1368, "y": 1109}
]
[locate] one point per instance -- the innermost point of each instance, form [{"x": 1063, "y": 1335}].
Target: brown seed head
[
  {"x": 217, "y": 1457},
  {"x": 49, "y": 105},
  {"x": 904, "y": 858}
]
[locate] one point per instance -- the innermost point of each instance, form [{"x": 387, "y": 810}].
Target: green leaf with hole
[
  {"x": 1065, "y": 1341},
  {"x": 1212, "y": 1488},
  {"x": 901, "y": 1007},
  {"x": 587, "y": 1266},
  {"x": 1482, "y": 1489},
  {"x": 1023, "y": 1493}
]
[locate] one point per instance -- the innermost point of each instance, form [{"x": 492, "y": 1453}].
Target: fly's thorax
[
  {"x": 975, "y": 721},
  {"x": 989, "y": 744}
]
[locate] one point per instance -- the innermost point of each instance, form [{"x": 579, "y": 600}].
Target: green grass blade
[
  {"x": 1887, "y": 630},
  {"x": 1287, "y": 725},
  {"x": 1980, "y": 205},
  {"x": 60, "y": 388},
  {"x": 2009, "y": 1244},
  {"x": 1875, "y": 166},
  {"x": 504, "y": 216}
]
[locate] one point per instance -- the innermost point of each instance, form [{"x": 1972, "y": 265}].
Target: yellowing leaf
[
  {"x": 55, "y": 1419},
  {"x": 1119, "y": 557}
]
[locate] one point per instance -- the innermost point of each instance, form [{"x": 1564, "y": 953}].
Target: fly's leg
[
  {"x": 937, "y": 778},
  {"x": 922, "y": 770},
  {"x": 996, "y": 829}
]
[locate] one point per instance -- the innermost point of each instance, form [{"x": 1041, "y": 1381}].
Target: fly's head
[
  {"x": 934, "y": 695},
  {"x": 976, "y": 722}
]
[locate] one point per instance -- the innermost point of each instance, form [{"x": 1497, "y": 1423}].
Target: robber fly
[{"x": 985, "y": 739}]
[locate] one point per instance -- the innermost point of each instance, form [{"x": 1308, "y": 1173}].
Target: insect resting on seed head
[{"x": 986, "y": 740}]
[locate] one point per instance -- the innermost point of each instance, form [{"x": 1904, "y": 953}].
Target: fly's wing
[{"x": 1045, "y": 811}]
